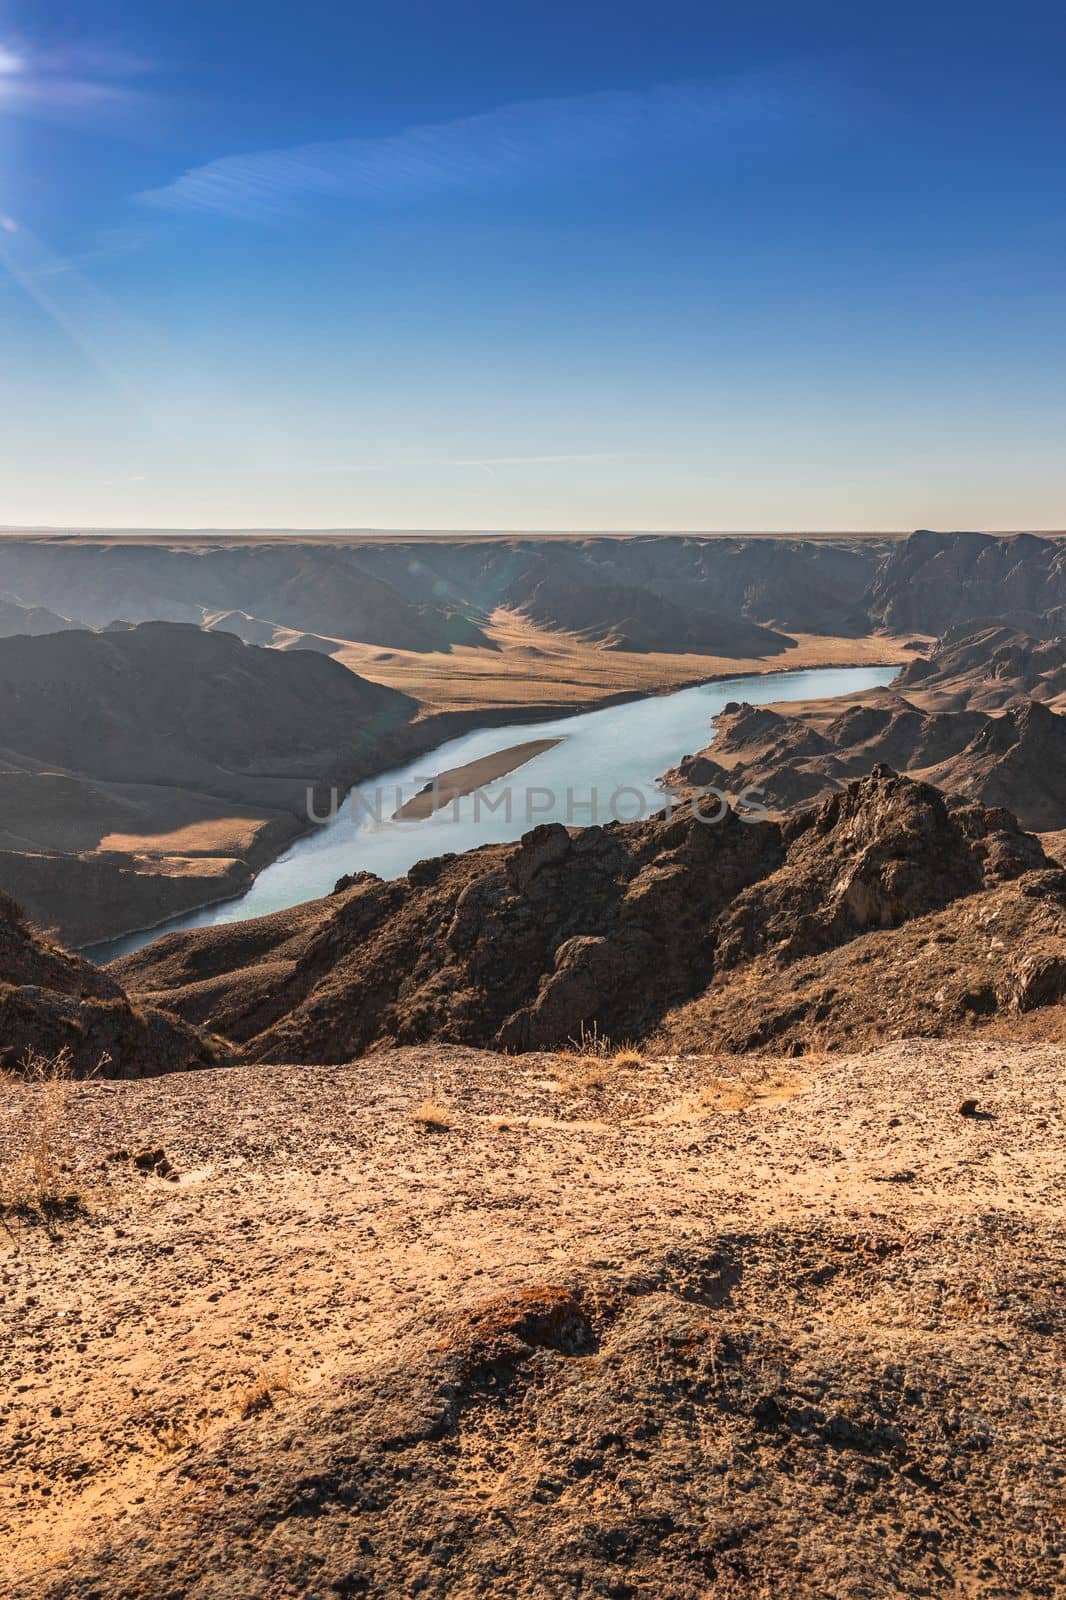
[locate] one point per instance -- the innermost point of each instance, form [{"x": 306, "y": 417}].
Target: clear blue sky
[{"x": 534, "y": 265}]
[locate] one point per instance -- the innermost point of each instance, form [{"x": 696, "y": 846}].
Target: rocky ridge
[
  {"x": 1016, "y": 758},
  {"x": 56, "y": 1006},
  {"x": 526, "y": 946}
]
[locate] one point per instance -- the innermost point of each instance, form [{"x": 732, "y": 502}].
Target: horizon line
[{"x": 88, "y": 533}]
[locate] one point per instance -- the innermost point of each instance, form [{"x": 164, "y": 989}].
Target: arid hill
[
  {"x": 641, "y": 619},
  {"x": 433, "y": 594},
  {"x": 55, "y": 1006},
  {"x": 167, "y": 704},
  {"x": 524, "y": 947},
  {"x": 311, "y": 585},
  {"x": 1016, "y": 758},
  {"x": 986, "y": 669},
  {"x": 672, "y": 592},
  {"x": 16, "y": 618},
  {"x": 931, "y": 580},
  {"x": 148, "y": 770}
]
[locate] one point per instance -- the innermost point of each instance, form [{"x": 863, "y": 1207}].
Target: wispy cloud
[
  {"x": 530, "y": 461},
  {"x": 69, "y": 83},
  {"x": 406, "y": 462},
  {"x": 506, "y": 146}
]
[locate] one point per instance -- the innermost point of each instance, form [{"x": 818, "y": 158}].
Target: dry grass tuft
[
  {"x": 586, "y": 1075},
  {"x": 750, "y": 1089},
  {"x": 628, "y": 1056},
  {"x": 591, "y": 1042},
  {"x": 259, "y": 1396},
  {"x": 587, "y": 1061},
  {"x": 36, "y": 1184},
  {"x": 432, "y": 1116},
  {"x": 174, "y": 1434}
]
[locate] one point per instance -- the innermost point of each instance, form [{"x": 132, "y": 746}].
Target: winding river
[{"x": 611, "y": 757}]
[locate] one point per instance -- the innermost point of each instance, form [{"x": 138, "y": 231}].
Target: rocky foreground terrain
[
  {"x": 54, "y": 1005},
  {"x": 447, "y": 1323},
  {"x": 561, "y": 1317}
]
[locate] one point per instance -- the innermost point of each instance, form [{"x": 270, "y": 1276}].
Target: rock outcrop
[
  {"x": 525, "y": 946},
  {"x": 1015, "y": 759},
  {"x": 988, "y": 668},
  {"x": 931, "y": 580},
  {"x": 55, "y": 1005}
]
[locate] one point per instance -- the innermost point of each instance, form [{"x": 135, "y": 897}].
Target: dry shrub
[
  {"x": 586, "y": 1062},
  {"x": 432, "y": 1116},
  {"x": 36, "y": 1182},
  {"x": 173, "y": 1434},
  {"x": 591, "y": 1042}
]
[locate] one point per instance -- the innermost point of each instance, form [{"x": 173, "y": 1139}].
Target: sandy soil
[
  {"x": 309, "y": 1220},
  {"x": 457, "y": 781}
]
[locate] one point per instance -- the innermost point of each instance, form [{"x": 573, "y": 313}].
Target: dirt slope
[{"x": 714, "y": 1329}]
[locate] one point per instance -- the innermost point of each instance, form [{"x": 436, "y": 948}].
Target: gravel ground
[{"x": 681, "y": 1327}]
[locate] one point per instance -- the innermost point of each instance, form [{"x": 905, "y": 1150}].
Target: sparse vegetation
[
  {"x": 585, "y": 1075},
  {"x": 432, "y": 1116},
  {"x": 173, "y": 1434},
  {"x": 259, "y": 1396},
  {"x": 628, "y": 1056},
  {"x": 591, "y": 1043},
  {"x": 591, "y": 1058},
  {"x": 36, "y": 1183}
]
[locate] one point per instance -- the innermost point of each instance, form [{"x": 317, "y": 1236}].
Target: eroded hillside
[{"x": 525, "y": 946}]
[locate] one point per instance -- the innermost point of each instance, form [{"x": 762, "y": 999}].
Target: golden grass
[
  {"x": 737, "y": 1094},
  {"x": 587, "y": 1064},
  {"x": 533, "y": 665},
  {"x": 431, "y": 1115},
  {"x": 36, "y": 1183}
]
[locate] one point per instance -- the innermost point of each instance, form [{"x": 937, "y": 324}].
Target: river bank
[{"x": 594, "y": 766}]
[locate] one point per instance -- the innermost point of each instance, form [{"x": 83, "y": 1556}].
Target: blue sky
[{"x": 447, "y": 265}]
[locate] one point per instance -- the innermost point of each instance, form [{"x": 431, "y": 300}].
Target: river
[{"x": 618, "y": 752}]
